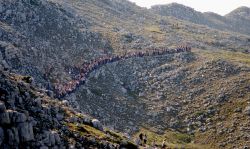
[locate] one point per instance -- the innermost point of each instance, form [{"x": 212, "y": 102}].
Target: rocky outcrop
[
  {"x": 97, "y": 124},
  {"x": 247, "y": 110},
  {"x": 31, "y": 119}
]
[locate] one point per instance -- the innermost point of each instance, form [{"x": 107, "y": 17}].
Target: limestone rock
[
  {"x": 52, "y": 139},
  {"x": 19, "y": 117},
  {"x": 59, "y": 116},
  {"x": 1, "y": 8},
  {"x": 4, "y": 118},
  {"x": 44, "y": 147},
  {"x": 247, "y": 110},
  {"x": 1, "y": 135},
  {"x": 38, "y": 102},
  {"x": 97, "y": 124},
  {"x": 2, "y": 107},
  {"x": 65, "y": 102},
  {"x": 57, "y": 138},
  {"x": 12, "y": 136},
  {"x": 25, "y": 132}
]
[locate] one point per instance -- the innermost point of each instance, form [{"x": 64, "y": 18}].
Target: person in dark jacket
[
  {"x": 145, "y": 139},
  {"x": 141, "y": 138}
]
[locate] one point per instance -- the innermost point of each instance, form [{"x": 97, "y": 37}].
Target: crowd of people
[
  {"x": 62, "y": 90},
  {"x": 142, "y": 141}
]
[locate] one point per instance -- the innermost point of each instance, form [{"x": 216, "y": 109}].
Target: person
[
  {"x": 163, "y": 145},
  {"x": 106, "y": 145},
  {"x": 145, "y": 139},
  {"x": 138, "y": 142},
  {"x": 141, "y": 138},
  {"x": 154, "y": 144},
  {"x": 117, "y": 146}
]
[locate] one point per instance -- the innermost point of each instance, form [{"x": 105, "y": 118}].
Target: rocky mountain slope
[
  {"x": 37, "y": 34},
  {"x": 242, "y": 12},
  {"x": 31, "y": 119},
  {"x": 197, "y": 99},
  {"x": 70, "y": 33},
  {"x": 237, "y": 20},
  {"x": 182, "y": 92}
]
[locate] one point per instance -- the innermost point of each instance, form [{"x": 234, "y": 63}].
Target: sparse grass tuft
[
  {"x": 237, "y": 57},
  {"x": 154, "y": 29},
  {"x": 108, "y": 135},
  {"x": 198, "y": 113},
  {"x": 86, "y": 130},
  {"x": 173, "y": 139}
]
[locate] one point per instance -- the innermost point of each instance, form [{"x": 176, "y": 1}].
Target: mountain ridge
[
  {"x": 243, "y": 10},
  {"x": 230, "y": 21}
]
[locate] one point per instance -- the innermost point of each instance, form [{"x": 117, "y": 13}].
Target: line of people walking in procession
[{"x": 62, "y": 90}]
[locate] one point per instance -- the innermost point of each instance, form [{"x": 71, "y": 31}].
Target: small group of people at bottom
[
  {"x": 141, "y": 141},
  {"x": 156, "y": 146}
]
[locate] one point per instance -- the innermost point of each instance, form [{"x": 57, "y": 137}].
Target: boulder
[
  {"x": 38, "y": 102},
  {"x": 1, "y": 135},
  {"x": 238, "y": 110},
  {"x": 5, "y": 64},
  {"x": 52, "y": 139},
  {"x": 44, "y": 147},
  {"x": 65, "y": 102},
  {"x": 73, "y": 119},
  {"x": 12, "y": 136},
  {"x": 59, "y": 116},
  {"x": 2, "y": 107},
  {"x": 22, "y": 17},
  {"x": 57, "y": 138},
  {"x": 50, "y": 93},
  {"x": 46, "y": 140},
  {"x": 97, "y": 124},
  {"x": 1, "y": 8},
  {"x": 247, "y": 110},
  {"x": 141, "y": 94},
  {"x": 17, "y": 117},
  {"x": 25, "y": 132},
  {"x": 124, "y": 90},
  {"x": 86, "y": 120},
  {"x": 4, "y": 118},
  {"x": 21, "y": 117}
]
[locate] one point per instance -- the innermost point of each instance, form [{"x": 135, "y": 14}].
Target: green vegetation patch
[
  {"x": 154, "y": 29},
  {"x": 86, "y": 130},
  {"x": 238, "y": 57},
  {"x": 108, "y": 135},
  {"x": 198, "y": 113},
  {"x": 173, "y": 139}
]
